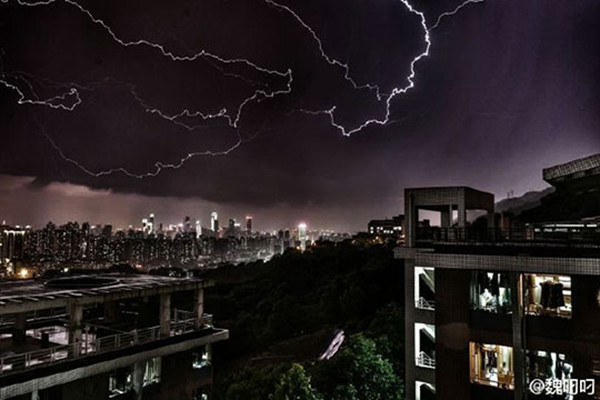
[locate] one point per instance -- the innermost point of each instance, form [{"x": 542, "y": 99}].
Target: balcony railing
[
  {"x": 35, "y": 316},
  {"x": 555, "y": 233},
  {"x": 20, "y": 362},
  {"x": 424, "y": 304},
  {"x": 425, "y": 361},
  {"x": 181, "y": 315}
]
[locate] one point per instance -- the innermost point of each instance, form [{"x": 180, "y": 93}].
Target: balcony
[
  {"x": 425, "y": 361},
  {"x": 424, "y": 304},
  {"x": 98, "y": 345}
]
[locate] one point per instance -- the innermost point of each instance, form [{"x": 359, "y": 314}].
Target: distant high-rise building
[
  {"x": 302, "y": 231},
  {"x": 152, "y": 224},
  {"x": 214, "y": 222},
  {"x": 187, "y": 224},
  {"x": 198, "y": 228},
  {"x": 148, "y": 224},
  {"x": 11, "y": 243},
  {"x": 302, "y": 235},
  {"x": 386, "y": 227},
  {"x": 231, "y": 227},
  {"x": 248, "y": 225},
  {"x": 107, "y": 231}
]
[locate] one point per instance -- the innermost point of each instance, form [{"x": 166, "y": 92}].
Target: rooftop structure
[
  {"x": 111, "y": 332},
  {"x": 587, "y": 168}
]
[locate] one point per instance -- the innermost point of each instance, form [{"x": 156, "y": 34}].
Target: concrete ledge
[{"x": 58, "y": 374}]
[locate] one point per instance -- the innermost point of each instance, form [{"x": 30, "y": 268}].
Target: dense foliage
[{"x": 355, "y": 288}]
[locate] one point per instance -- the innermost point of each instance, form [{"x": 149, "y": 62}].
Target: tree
[
  {"x": 295, "y": 385},
  {"x": 357, "y": 372},
  {"x": 253, "y": 383},
  {"x": 387, "y": 330}
]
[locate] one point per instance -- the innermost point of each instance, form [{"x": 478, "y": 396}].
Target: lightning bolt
[
  {"x": 330, "y": 60},
  {"x": 396, "y": 91},
  {"x": 233, "y": 119},
  {"x": 56, "y": 102},
  {"x": 453, "y": 12},
  {"x": 159, "y": 166}
]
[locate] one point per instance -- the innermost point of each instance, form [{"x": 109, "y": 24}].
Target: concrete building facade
[
  {"x": 488, "y": 314},
  {"x": 106, "y": 336}
]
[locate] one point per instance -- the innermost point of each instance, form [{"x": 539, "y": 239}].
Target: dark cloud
[{"x": 508, "y": 88}]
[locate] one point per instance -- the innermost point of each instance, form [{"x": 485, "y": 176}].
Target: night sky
[{"x": 90, "y": 90}]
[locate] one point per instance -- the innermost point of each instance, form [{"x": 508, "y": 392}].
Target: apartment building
[
  {"x": 490, "y": 310},
  {"x": 109, "y": 336}
]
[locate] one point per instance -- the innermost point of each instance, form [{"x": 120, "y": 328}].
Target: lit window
[
  {"x": 548, "y": 295},
  {"x": 200, "y": 394},
  {"x": 120, "y": 381},
  {"x": 490, "y": 291},
  {"x": 202, "y": 358},
  {"x": 152, "y": 371},
  {"x": 547, "y": 365},
  {"x": 491, "y": 365}
]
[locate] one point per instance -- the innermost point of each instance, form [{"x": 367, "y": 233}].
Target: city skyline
[
  {"x": 137, "y": 221},
  {"x": 115, "y": 208}
]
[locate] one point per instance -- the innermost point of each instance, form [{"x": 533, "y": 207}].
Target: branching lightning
[
  {"x": 159, "y": 166},
  {"x": 69, "y": 100},
  {"x": 396, "y": 91},
  {"x": 453, "y": 12}
]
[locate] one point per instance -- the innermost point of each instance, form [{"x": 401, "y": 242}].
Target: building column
[
  {"x": 198, "y": 307},
  {"x": 411, "y": 220},
  {"x": 446, "y": 217},
  {"x": 110, "y": 311},
  {"x": 20, "y": 328},
  {"x": 75, "y": 319},
  {"x": 462, "y": 216},
  {"x": 409, "y": 329},
  {"x": 138, "y": 379},
  {"x": 518, "y": 334},
  {"x": 165, "y": 314},
  {"x": 491, "y": 219}
]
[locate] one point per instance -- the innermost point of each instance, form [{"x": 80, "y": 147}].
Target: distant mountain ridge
[{"x": 516, "y": 205}]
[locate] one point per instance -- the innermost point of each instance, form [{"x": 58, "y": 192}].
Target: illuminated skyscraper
[
  {"x": 214, "y": 222},
  {"x": 152, "y": 224},
  {"x": 198, "y": 228},
  {"x": 302, "y": 231},
  {"x": 302, "y": 235}
]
